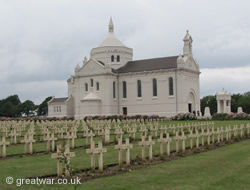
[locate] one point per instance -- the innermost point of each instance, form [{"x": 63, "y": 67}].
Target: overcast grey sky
[{"x": 41, "y": 41}]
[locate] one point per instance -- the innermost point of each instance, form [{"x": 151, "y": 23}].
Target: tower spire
[{"x": 111, "y": 26}]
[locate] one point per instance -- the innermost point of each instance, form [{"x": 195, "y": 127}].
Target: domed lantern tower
[{"x": 112, "y": 51}]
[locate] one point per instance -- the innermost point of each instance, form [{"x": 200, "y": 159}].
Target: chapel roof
[
  {"x": 59, "y": 100},
  {"x": 149, "y": 65}
]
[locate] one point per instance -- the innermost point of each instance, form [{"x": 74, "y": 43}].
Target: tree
[
  {"x": 9, "y": 106},
  {"x": 244, "y": 102},
  {"x": 28, "y": 108},
  {"x": 14, "y": 99},
  {"x": 43, "y": 107},
  {"x": 235, "y": 102},
  {"x": 7, "y": 109},
  {"x": 209, "y": 101}
]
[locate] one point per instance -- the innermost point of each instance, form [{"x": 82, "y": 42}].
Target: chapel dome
[
  {"x": 111, "y": 39},
  {"x": 112, "y": 51}
]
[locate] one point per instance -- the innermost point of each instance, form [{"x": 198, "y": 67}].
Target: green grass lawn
[{"x": 223, "y": 168}]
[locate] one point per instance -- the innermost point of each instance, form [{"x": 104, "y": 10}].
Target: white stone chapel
[{"x": 110, "y": 82}]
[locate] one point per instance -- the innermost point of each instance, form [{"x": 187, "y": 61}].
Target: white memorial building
[{"x": 110, "y": 82}]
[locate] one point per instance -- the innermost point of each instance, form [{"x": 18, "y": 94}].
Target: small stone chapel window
[
  {"x": 114, "y": 90},
  {"x": 118, "y": 58},
  {"x": 86, "y": 87},
  {"x": 139, "y": 94},
  {"x": 154, "y": 87},
  {"x": 124, "y": 87},
  {"x": 91, "y": 82},
  {"x": 112, "y": 58},
  {"x": 171, "y": 86},
  {"x": 97, "y": 86}
]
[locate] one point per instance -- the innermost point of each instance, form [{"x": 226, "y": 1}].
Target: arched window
[
  {"x": 139, "y": 94},
  {"x": 118, "y": 58},
  {"x": 114, "y": 90},
  {"x": 124, "y": 87},
  {"x": 97, "y": 86},
  {"x": 112, "y": 58},
  {"x": 154, "y": 87},
  {"x": 86, "y": 87},
  {"x": 91, "y": 82},
  {"x": 171, "y": 86}
]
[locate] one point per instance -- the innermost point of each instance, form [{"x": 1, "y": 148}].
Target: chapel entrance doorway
[
  {"x": 191, "y": 103},
  {"x": 190, "y": 108}
]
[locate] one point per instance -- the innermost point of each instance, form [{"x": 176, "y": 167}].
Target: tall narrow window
[
  {"x": 139, "y": 88},
  {"x": 86, "y": 87},
  {"x": 154, "y": 87},
  {"x": 124, "y": 87},
  {"x": 91, "y": 82},
  {"x": 171, "y": 86},
  {"x": 97, "y": 86},
  {"x": 118, "y": 58},
  {"x": 114, "y": 90},
  {"x": 112, "y": 58}
]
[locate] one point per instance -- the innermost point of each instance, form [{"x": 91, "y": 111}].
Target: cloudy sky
[{"x": 41, "y": 41}]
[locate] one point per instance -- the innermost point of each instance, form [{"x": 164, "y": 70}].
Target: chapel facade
[{"x": 110, "y": 82}]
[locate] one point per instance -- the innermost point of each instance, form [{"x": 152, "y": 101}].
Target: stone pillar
[
  {"x": 218, "y": 106},
  {"x": 224, "y": 106},
  {"x": 229, "y": 106}
]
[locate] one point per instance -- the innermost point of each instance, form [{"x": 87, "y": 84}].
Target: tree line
[
  {"x": 13, "y": 107},
  {"x": 238, "y": 100}
]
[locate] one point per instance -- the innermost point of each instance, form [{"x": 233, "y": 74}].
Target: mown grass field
[{"x": 223, "y": 168}]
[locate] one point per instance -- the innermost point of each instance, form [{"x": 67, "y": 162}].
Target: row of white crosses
[{"x": 28, "y": 139}]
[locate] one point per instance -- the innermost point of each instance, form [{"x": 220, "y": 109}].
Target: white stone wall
[
  {"x": 188, "y": 85},
  {"x": 163, "y": 104},
  {"x": 107, "y": 106},
  {"x": 70, "y": 107},
  {"x": 61, "y": 113}
]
